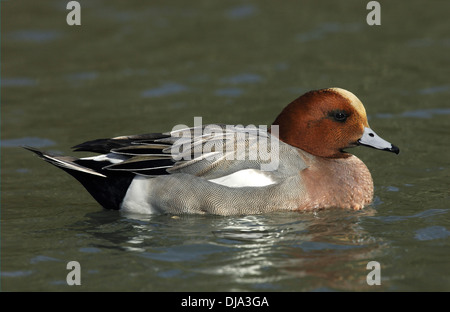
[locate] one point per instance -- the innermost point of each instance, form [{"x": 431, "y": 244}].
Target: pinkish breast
[{"x": 336, "y": 182}]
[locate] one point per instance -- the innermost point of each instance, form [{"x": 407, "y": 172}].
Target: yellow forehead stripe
[{"x": 354, "y": 101}]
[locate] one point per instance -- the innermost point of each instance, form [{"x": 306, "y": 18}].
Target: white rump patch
[
  {"x": 136, "y": 199},
  {"x": 244, "y": 178}
]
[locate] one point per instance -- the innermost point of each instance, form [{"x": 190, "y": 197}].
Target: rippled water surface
[{"x": 140, "y": 66}]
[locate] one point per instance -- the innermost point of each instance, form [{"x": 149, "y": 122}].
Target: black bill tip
[{"x": 393, "y": 149}]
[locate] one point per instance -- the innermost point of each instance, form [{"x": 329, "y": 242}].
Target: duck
[{"x": 299, "y": 163}]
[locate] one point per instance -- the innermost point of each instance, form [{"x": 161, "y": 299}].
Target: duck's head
[{"x": 325, "y": 122}]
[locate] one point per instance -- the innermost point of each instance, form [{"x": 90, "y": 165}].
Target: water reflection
[
  {"x": 81, "y": 76},
  {"x": 242, "y": 78},
  {"x": 240, "y": 12},
  {"x": 165, "y": 89},
  {"x": 435, "y": 89},
  {"x": 432, "y": 232},
  {"x": 325, "y": 29},
  {"x": 428, "y": 42},
  {"x": 317, "y": 249},
  {"x": 30, "y": 141},
  {"x": 419, "y": 113},
  {"x": 231, "y": 92},
  {"x": 297, "y": 247},
  {"x": 38, "y": 36},
  {"x": 18, "y": 82}
]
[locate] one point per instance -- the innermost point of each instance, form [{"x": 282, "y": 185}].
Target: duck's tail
[{"x": 107, "y": 187}]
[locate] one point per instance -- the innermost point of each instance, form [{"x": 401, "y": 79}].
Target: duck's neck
[{"x": 337, "y": 182}]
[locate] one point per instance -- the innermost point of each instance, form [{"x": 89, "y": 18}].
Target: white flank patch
[
  {"x": 136, "y": 198},
  {"x": 246, "y": 177},
  {"x": 111, "y": 157}
]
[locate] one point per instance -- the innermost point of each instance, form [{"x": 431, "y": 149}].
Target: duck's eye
[{"x": 340, "y": 116}]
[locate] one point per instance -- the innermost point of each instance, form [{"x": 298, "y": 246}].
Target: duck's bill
[{"x": 371, "y": 139}]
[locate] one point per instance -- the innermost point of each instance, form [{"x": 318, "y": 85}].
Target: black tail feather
[
  {"x": 104, "y": 146},
  {"x": 107, "y": 187}
]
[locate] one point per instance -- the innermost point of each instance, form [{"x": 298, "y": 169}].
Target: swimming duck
[{"x": 212, "y": 170}]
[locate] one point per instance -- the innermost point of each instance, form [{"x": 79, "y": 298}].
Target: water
[{"x": 134, "y": 67}]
